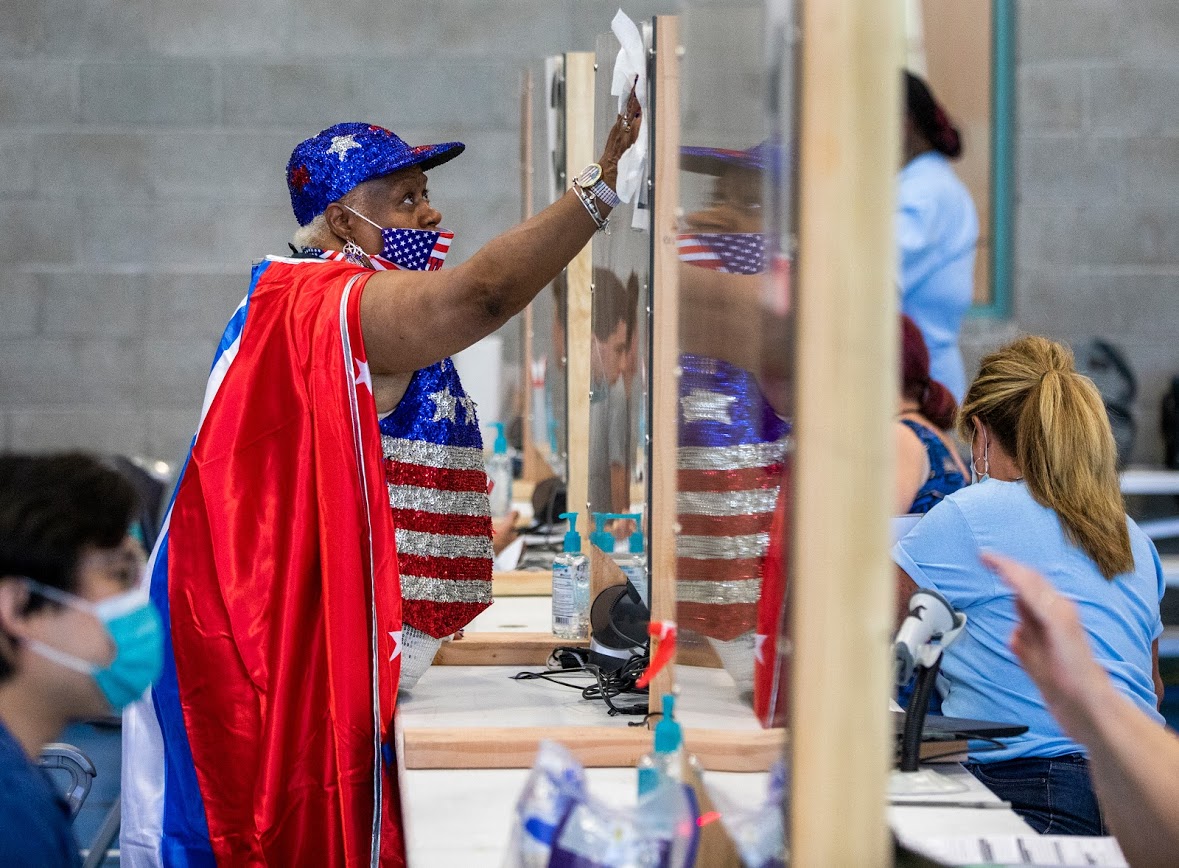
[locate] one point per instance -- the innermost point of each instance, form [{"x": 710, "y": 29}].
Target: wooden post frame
[
  {"x": 842, "y": 737},
  {"x": 665, "y": 305},
  {"x": 514, "y": 747},
  {"x": 579, "y": 152}
]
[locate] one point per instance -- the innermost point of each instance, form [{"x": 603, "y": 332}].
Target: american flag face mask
[
  {"x": 729, "y": 252},
  {"x": 412, "y": 249}
]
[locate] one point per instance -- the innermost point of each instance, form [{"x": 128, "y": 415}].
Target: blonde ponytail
[{"x": 1051, "y": 420}]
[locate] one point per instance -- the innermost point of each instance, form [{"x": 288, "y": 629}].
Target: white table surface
[
  {"x": 514, "y": 615},
  {"x": 488, "y": 696},
  {"x": 929, "y": 822},
  {"x": 463, "y": 817}
]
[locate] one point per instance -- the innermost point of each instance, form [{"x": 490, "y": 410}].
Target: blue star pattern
[
  {"x": 741, "y": 252},
  {"x": 409, "y": 249}
]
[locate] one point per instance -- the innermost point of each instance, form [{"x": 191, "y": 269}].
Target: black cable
[{"x": 606, "y": 687}]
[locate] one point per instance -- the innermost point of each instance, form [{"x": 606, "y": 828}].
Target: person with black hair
[
  {"x": 78, "y": 638},
  {"x": 937, "y": 233},
  {"x": 928, "y": 466},
  {"x": 612, "y": 325}
]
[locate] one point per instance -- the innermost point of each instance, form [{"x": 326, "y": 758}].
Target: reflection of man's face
[
  {"x": 630, "y": 360},
  {"x": 609, "y": 356},
  {"x": 735, "y": 205}
]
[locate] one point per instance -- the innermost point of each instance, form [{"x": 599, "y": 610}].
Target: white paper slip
[{"x": 1068, "y": 850}]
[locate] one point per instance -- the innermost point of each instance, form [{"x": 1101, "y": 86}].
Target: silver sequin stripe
[
  {"x": 435, "y": 545},
  {"x": 431, "y": 454},
  {"x": 445, "y": 590},
  {"x": 719, "y": 593},
  {"x": 732, "y": 457},
  {"x": 726, "y": 503},
  {"x": 725, "y": 548},
  {"x": 437, "y": 501}
]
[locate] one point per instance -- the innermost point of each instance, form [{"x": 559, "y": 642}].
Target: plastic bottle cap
[
  {"x": 572, "y": 538},
  {"x": 668, "y": 734},
  {"x": 601, "y": 537},
  {"x": 501, "y": 441}
]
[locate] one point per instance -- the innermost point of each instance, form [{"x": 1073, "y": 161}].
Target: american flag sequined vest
[
  {"x": 438, "y": 492},
  {"x": 730, "y": 457},
  {"x": 731, "y": 449}
]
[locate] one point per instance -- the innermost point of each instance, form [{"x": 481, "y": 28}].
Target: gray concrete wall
[
  {"x": 142, "y": 149},
  {"x": 142, "y": 157},
  {"x": 1097, "y": 187}
]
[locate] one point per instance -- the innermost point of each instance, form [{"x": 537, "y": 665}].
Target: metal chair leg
[{"x": 105, "y": 835}]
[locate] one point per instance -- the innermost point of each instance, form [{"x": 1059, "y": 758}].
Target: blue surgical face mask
[
  {"x": 135, "y": 629},
  {"x": 412, "y": 249}
]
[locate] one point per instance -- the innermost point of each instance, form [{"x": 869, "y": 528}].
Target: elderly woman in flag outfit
[{"x": 290, "y": 591}]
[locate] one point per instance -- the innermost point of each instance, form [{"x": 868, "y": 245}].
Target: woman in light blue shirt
[
  {"x": 1048, "y": 497},
  {"x": 937, "y": 232}
]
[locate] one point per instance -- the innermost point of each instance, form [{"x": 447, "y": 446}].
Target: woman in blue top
[
  {"x": 1048, "y": 496},
  {"x": 928, "y": 467},
  {"x": 937, "y": 232}
]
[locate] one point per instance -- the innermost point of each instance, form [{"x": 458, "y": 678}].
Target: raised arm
[
  {"x": 411, "y": 319},
  {"x": 1133, "y": 760}
]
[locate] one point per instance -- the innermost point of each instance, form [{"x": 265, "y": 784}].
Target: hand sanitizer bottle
[
  {"x": 571, "y": 587},
  {"x": 499, "y": 474},
  {"x": 633, "y": 562},
  {"x": 666, "y": 761},
  {"x": 601, "y": 537}
]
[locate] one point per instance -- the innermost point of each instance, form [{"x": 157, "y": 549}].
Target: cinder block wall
[
  {"x": 142, "y": 157},
  {"x": 1097, "y": 187},
  {"x": 142, "y": 149}
]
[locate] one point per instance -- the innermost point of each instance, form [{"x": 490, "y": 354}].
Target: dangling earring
[
  {"x": 986, "y": 474},
  {"x": 355, "y": 254}
]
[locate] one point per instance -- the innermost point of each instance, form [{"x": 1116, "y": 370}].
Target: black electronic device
[
  {"x": 618, "y": 628},
  {"x": 936, "y": 727}
]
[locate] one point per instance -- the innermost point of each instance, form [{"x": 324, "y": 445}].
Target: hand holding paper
[{"x": 630, "y": 86}]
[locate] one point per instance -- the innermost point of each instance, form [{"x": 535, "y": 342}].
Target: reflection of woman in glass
[
  {"x": 928, "y": 467},
  {"x": 937, "y": 231},
  {"x": 732, "y": 440}
]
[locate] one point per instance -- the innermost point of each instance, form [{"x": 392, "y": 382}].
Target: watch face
[{"x": 590, "y": 175}]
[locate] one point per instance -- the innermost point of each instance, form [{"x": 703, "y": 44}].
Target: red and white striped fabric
[
  {"x": 438, "y": 494},
  {"x": 725, "y": 506}
]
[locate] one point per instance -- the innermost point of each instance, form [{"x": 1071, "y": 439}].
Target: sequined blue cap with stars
[{"x": 326, "y": 166}]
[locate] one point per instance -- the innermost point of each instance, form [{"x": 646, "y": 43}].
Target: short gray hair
[{"x": 314, "y": 234}]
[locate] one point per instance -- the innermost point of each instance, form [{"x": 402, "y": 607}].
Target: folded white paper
[{"x": 631, "y": 64}]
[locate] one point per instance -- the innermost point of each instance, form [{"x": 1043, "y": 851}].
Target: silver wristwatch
[{"x": 591, "y": 181}]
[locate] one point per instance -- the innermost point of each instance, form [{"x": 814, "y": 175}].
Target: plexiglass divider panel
[
  {"x": 733, "y": 403},
  {"x": 543, "y": 128},
  {"x": 619, "y": 369}
]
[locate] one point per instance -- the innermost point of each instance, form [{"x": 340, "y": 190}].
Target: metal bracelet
[{"x": 591, "y": 208}]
